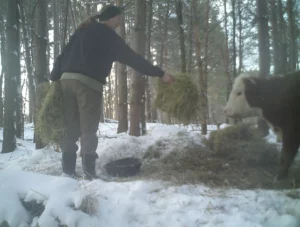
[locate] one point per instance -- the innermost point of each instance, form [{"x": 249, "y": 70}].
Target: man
[{"x": 82, "y": 69}]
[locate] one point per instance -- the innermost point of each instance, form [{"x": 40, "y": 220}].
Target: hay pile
[
  {"x": 180, "y": 99},
  {"x": 235, "y": 157},
  {"x": 50, "y": 120}
]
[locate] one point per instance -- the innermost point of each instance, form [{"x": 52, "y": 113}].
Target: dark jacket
[{"x": 93, "y": 49}]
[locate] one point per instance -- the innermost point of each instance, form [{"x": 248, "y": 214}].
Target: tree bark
[
  {"x": 137, "y": 83},
  {"x": 149, "y": 81},
  {"x": 11, "y": 75},
  {"x": 28, "y": 62},
  {"x": 122, "y": 79},
  {"x": 240, "y": 29},
  {"x": 190, "y": 41},
  {"x": 202, "y": 79},
  {"x": 264, "y": 51},
  {"x": 116, "y": 95},
  {"x": 165, "y": 35},
  {"x": 275, "y": 38},
  {"x": 234, "y": 73},
  {"x": 110, "y": 102},
  {"x": 293, "y": 37},
  {"x": 3, "y": 60},
  {"x": 206, "y": 45},
  {"x": 178, "y": 6},
  {"x": 283, "y": 46},
  {"x": 56, "y": 34},
  {"x": 263, "y": 38},
  {"x": 225, "y": 55}
]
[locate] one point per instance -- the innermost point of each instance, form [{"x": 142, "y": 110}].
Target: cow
[{"x": 277, "y": 100}]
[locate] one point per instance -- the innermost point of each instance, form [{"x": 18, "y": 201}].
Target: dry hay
[
  {"x": 235, "y": 157},
  {"x": 180, "y": 99},
  {"x": 50, "y": 120}
]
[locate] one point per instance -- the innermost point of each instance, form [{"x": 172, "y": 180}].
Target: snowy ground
[{"x": 34, "y": 175}]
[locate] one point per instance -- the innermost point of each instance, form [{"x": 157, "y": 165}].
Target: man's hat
[{"x": 108, "y": 12}]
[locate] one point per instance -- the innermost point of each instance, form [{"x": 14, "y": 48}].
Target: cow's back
[{"x": 284, "y": 106}]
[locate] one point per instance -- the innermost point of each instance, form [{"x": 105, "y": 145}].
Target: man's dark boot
[
  {"x": 89, "y": 167},
  {"x": 69, "y": 164}
]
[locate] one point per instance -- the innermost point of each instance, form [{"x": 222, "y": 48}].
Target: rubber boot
[
  {"x": 69, "y": 164},
  {"x": 89, "y": 167}
]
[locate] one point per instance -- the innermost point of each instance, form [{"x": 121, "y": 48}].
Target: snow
[{"x": 34, "y": 175}]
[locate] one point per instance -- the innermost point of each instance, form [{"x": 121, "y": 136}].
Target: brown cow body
[{"x": 277, "y": 100}]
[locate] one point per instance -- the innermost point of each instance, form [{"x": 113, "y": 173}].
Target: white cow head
[{"x": 237, "y": 105}]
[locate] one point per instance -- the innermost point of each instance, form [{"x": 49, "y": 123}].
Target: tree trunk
[
  {"x": 1, "y": 98},
  {"x": 233, "y": 39},
  {"x": 225, "y": 55},
  {"x": 283, "y": 46},
  {"x": 149, "y": 81},
  {"x": 264, "y": 50},
  {"x": 19, "y": 121},
  {"x": 137, "y": 83},
  {"x": 28, "y": 62},
  {"x": 163, "y": 53},
  {"x": 293, "y": 37},
  {"x": 41, "y": 58},
  {"x": 275, "y": 38},
  {"x": 65, "y": 28},
  {"x": 190, "y": 41},
  {"x": 55, "y": 29},
  {"x": 102, "y": 114},
  {"x": 11, "y": 75},
  {"x": 73, "y": 15},
  {"x": 122, "y": 79},
  {"x": 205, "y": 108},
  {"x": 178, "y": 6},
  {"x": 165, "y": 35},
  {"x": 240, "y": 29},
  {"x": 3, "y": 60},
  {"x": 110, "y": 102},
  {"x": 116, "y": 95},
  {"x": 263, "y": 38},
  {"x": 202, "y": 79}
]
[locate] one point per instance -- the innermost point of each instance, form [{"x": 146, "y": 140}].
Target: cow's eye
[{"x": 239, "y": 93}]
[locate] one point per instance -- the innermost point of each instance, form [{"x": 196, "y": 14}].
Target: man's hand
[{"x": 168, "y": 78}]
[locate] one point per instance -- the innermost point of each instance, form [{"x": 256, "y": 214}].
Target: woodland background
[{"x": 211, "y": 40}]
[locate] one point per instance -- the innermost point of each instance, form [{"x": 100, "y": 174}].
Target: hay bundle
[
  {"x": 50, "y": 120},
  {"x": 233, "y": 138},
  {"x": 180, "y": 99}
]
